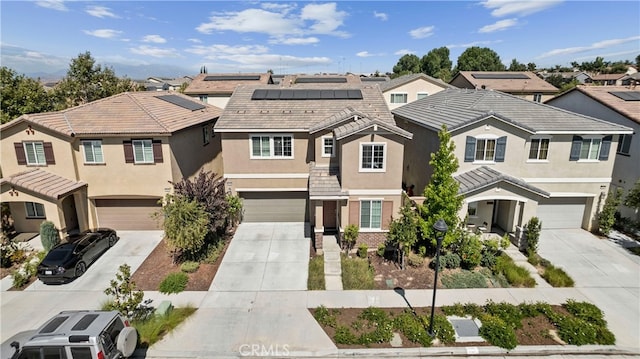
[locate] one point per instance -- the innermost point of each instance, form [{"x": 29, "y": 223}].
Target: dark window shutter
[
  {"x": 48, "y": 153},
  {"x": 128, "y": 152},
  {"x": 470, "y": 149},
  {"x": 501, "y": 148},
  {"x": 576, "y": 145},
  {"x": 605, "y": 148},
  {"x": 157, "y": 151},
  {"x": 20, "y": 155}
]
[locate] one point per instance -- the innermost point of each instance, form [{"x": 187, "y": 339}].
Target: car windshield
[{"x": 58, "y": 254}]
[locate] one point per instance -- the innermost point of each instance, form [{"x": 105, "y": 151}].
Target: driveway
[{"x": 607, "y": 274}]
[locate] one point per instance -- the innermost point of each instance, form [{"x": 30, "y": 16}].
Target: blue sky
[{"x": 175, "y": 38}]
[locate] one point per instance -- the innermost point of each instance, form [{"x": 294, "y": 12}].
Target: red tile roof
[{"x": 43, "y": 183}]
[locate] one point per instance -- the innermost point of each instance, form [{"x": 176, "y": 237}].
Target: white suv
[{"x": 80, "y": 334}]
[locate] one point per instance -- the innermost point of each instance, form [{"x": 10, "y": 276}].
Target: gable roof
[
  {"x": 324, "y": 182},
  {"x": 224, "y": 83},
  {"x": 505, "y": 81},
  {"x": 458, "y": 108},
  {"x": 405, "y": 79},
  {"x": 43, "y": 183},
  {"x": 605, "y": 96},
  {"x": 146, "y": 112},
  {"x": 484, "y": 176},
  {"x": 606, "y": 77}
]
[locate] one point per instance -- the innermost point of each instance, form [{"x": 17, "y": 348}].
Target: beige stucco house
[
  {"x": 409, "y": 88},
  {"x": 518, "y": 158},
  {"x": 318, "y": 149},
  {"x": 106, "y": 163},
  {"x": 216, "y": 89},
  {"x": 523, "y": 84},
  {"x": 619, "y": 105}
]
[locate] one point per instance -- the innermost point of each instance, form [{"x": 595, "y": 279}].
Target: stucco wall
[
  {"x": 412, "y": 89},
  {"x": 190, "y": 155},
  {"x": 417, "y": 154}
]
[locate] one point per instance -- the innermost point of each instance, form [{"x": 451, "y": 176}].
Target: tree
[
  {"x": 126, "y": 299},
  {"x": 638, "y": 61},
  {"x": 633, "y": 197},
  {"x": 86, "y": 82},
  {"x": 49, "y": 235},
  {"x": 531, "y": 66},
  {"x": 441, "y": 194},
  {"x": 517, "y": 66},
  {"x": 606, "y": 218},
  {"x": 479, "y": 59},
  {"x": 208, "y": 190},
  {"x": 403, "y": 232},
  {"x": 555, "y": 80},
  {"x": 21, "y": 95},
  {"x": 533, "y": 228},
  {"x": 569, "y": 85},
  {"x": 186, "y": 224},
  {"x": 436, "y": 63},
  {"x": 350, "y": 236},
  {"x": 408, "y": 64}
]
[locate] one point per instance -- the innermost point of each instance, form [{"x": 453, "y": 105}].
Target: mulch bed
[{"x": 410, "y": 278}]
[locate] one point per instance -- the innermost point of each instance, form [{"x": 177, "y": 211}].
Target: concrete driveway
[{"x": 607, "y": 274}]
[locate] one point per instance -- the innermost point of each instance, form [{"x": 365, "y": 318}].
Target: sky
[{"x": 176, "y": 38}]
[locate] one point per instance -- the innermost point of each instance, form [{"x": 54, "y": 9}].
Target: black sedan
[{"x": 70, "y": 259}]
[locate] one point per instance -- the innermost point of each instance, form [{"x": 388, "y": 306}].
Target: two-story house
[
  {"x": 518, "y": 158},
  {"x": 523, "y": 84},
  {"x": 216, "y": 89},
  {"x": 619, "y": 105},
  {"x": 409, "y": 88},
  {"x": 318, "y": 149},
  {"x": 107, "y": 163}
]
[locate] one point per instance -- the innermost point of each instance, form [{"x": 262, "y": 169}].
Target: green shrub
[
  {"x": 533, "y": 259},
  {"x": 174, "y": 283},
  {"x": 469, "y": 248},
  {"x": 497, "y": 332},
  {"x": 381, "y": 249},
  {"x": 414, "y": 260},
  {"x": 412, "y": 327},
  {"x": 422, "y": 251},
  {"x": 585, "y": 311},
  {"x": 124, "y": 296},
  {"x": 509, "y": 313},
  {"x": 325, "y": 317},
  {"x": 456, "y": 309},
  {"x": 356, "y": 273},
  {"x": 488, "y": 259},
  {"x": 533, "y": 228},
  {"x": 23, "y": 275},
  {"x": 362, "y": 250},
  {"x": 213, "y": 251},
  {"x": 450, "y": 261},
  {"x": 315, "y": 280},
  {"x": 378, "y": 320},
  {"x": 49, "y": 235},
  {"x": 443, "y": 329},
  {"x": 156, "y": 327},
  {"x": 464, "y": 279},
  {"x": 576, "y": 331},
  {"x": 344, "y": 335},
  {"x": 517, "y": 276},
  {"x": 350, "y": 236},
  {"x": 189, "y": 266},
  {"x": 557, "y": 277}
]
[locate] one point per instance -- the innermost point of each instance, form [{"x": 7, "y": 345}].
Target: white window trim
[
  {"x": 32, "y": 144},
  {"x": 136, "y": 160},
  {"x": 384, "y": 157},
  {"x": 206, "y": 135},
  {"x": 369, "y": 229},
  {"x": 94, "y": 156},
  {"x": 391, "y": 97},
  {"x": 475, "y": 203},
  {"x": 333, "y": 146},
  {"x": 421, "y": 93},
  {"x": 485, "y": 137},
  {"x": 591, "y": 138},
  {"x": 271, "y": 146},
  {"x": 621, "y": 144},
  {"x": 539, "y": 137},
  {"x": 26, "y": 211}
]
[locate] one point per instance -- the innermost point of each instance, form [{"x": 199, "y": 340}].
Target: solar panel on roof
[
  {"x": 272, "y": 95},
  {"x": 341, "y": 94},
  {"x": 626, "y": 95},
  {"x": 313, "y": 94},
  {"x": 490, "y": 76},
  {"x": 327, "y": 94},
  {"x": 309, "y": 94},
  {"x": 286, "y": 94},
  {"x": 300, "y": 95},
  {"x": 372, "y": 79},
  {"x": 182, "y": 102},
  {"x": 259, "y": 95},
  {"x": 355, "y": 95},
  {"x": 321, "y": 80},
  {"x": 232, "y": 78}
]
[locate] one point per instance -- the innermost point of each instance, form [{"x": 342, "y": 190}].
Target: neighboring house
[
  {"x": 317, "y": 149},
  {"x": 106, "y": 163},
  {"x": 608, "y": 79},
  {"x": 580, "y": 76},
  {"x": 216, "y": 89},
  {"x": 518, "y": 158},
  {"x": 619, "y": 105},
  {"x": 409, "y": 88},
  {"x": 523, "y": 84}
]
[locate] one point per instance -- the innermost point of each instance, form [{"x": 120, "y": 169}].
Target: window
[
  {"x": 81, "y": 353},
  {"x": 372, "y": 156},
  {"x": 34, "y": 210},
  {"x": 204, "y": 98},
  {"x": 398, "y": 98},
  {"x": 35, "y": 153},
  {"x": 485, "y": 149},
  {"x": 472, "y": 209},
  {"x": 590, "y": 149},
  {"x": 539, "y": 149},
  {"x": 273, "y": 146},
  {"x": 205, "y": 135},
  {"x": 142, "y": 151},
  {"x": 370, "y": 214},
  {"x": 93, "y": 151},
  {"x": 624, "y": 144},
  {"x": 421, "y": 95},
  {"x": 328, "y": 145},
  {"x": 537, "y": 97}
]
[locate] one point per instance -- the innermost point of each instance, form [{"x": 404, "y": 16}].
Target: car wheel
[
  {"x": 112, "y": 240},
  {"x": 80, "y": 269}
]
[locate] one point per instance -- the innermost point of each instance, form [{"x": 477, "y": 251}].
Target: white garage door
[
  {"x": 274, "y": 206},
  {"x": 558, "y": 213},
  {"x": 128, "y": 214}
]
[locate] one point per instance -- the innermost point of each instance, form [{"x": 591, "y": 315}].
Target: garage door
[
  {"x": 275, "y": 206},
  {"x": 557, "y": 213},
  {"x": 127, "y": 214}
]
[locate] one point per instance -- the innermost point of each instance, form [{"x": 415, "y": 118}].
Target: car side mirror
[{"x": 14, "y": 344}]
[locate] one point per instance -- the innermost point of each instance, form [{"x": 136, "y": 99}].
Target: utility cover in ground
[{"x": 466, "y": 328}]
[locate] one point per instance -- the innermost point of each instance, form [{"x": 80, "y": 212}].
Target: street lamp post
[{"x": 441, "y": 229}]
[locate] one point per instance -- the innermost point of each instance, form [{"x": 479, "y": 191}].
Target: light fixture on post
[{"x": 441, "y": 230}]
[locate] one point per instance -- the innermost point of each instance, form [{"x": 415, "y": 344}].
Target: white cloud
[
  {"x": 474, "y": 43},
  {"x": 101, "y": 12},
  {"x": 499, "y": 26},
  {"x": 251, "y": 20},
  {"x": 103, "y": 33},
  {"x": 327, "y": 19},
  {"x": 195, "y": 41},
  {"x": 595, "y": 46},
  {"x": 285, "y": 8},
  {"x": 156, "y": 39},
  {"x": 404, "y": 52},
  {"x": 380, "y": 15},
  {"x": 294, "y": 40},
  {"x": 53, "y": 5},
  {"x": 422, "y": 32},
  {"x": 368, "y": 54},
  {"x": 217, "y": 51},
  {"x": 502, "y": 8},
  {"x": 154, "y": 51}
]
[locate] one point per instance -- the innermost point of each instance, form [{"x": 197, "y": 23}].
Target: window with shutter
[
  {"x": 142, "y": 151},
  {"x": 92, "y": 151},
  {"x": 34, "y": 152}
]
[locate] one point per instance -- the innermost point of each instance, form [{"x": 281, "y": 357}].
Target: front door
[
  {"x": 70, "y": 214},
  {"x": 329, "y": 214}
]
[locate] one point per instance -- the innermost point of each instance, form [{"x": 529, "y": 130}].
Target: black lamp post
[{"x": 441, "y": 229}]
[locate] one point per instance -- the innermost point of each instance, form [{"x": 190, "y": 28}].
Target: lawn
[
  {"x": 356, "y": 273},
  {"x": 316, "y": 273}
]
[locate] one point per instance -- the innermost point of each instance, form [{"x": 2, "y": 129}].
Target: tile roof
[
  {"x": 362, "y": 123},
  {"x": 602, "y": 94},
  {"x": 199, "y": 86},
  {"x": 405, "y": 79},
  {"x": 44, "y": 183},
  {"x": 605, "y": 77},
  {"x": 532, "y": 83},
  {"x": 457, "y": 108},
  {"x": 126, "y": 113},
  {"x": 325, "y": 182},
  {"x": 482, "y": 177}
]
